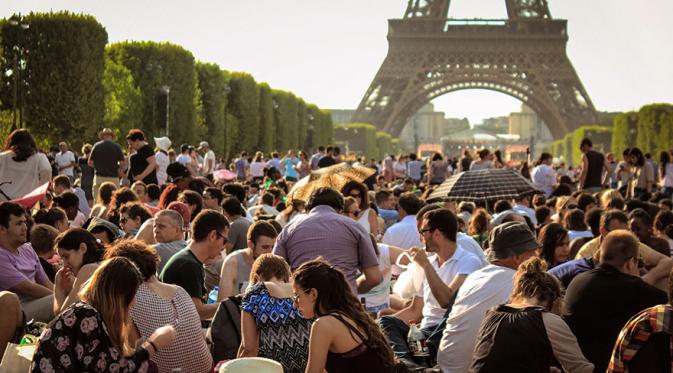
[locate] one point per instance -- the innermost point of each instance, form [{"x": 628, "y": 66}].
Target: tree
[
  {"x": 266, "y": 123},
  {"x": 653, "y": 121},
  {"x": 155, "y": 66},
  {"x": 212, "y": 85},
  {"x": 123, "y": 109},
  {"x": 62, "y": 75},
  {"x": 359, "y": 137},
  {"x": 244, "y": 106}
]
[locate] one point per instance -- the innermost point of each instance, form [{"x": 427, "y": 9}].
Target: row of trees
[
  {"x": 650, "y": 129},
  {"x": 74, "y": 83},
  {"x": 364, "y": 139}
]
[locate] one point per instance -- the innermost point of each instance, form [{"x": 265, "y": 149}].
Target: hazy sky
[{"x": 328, "y": 51}]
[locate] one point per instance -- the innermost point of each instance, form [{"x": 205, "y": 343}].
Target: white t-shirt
[
  {"x": 64, "y": 159},
  {"x": 544, "y": 178},
  {"x": 461, "y": 263},
  {"x": 470, "y": 245},
  {"x": 210, "y": 156},
  {"x": 378, "y": 298},
  {"x": 403, "y": 234},
  {"x": 185, "y": 159},
  {"x": 162, "y": 164},
  {"x": 482, "y": 290},
  {"x": 257, "y": 169}
]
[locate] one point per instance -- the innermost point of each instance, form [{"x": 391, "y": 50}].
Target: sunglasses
[
  {"x": 421, "y": 231},
  {"x": 222, "y": 236},
  {"x": 295, "y": 297},
  {"x": 356, "y": 212},
  {"x": 356, "y": 195}
]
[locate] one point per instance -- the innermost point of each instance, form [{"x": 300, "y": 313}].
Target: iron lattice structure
[{"x": 523, "y": 56}]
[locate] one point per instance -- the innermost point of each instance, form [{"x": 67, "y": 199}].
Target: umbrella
[
  {"x": 224, "y": 174},
  {"x": 479, "y": 185},
  {"x": 335, "y": 176}
]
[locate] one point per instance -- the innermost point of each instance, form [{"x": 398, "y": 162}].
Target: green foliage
[
  {"x": 62, "y": 77},
  {"x": 599, "y": 135},
  {"x": 302, "y": 124},
  {"x": 244, "y": 106},
  {"x": 359, "y": 137},
  {"x": 623, "y": 126},
  {"x": 653, "y": 121},
  {"x": 285, "y": 115},
  {"x": 323, "y": 129},
  {"x": 153, "y": 66},
  {"x": 384, "y": 142},
  {"x": 266, "y": 124},
  {"x": 122, "y": 99},
  {"x": 212, "y": 85}
]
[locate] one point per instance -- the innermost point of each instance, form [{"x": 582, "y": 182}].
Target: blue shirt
[
  {"x": 567, "y": 271},
  {"x": 289, "y": 167}
]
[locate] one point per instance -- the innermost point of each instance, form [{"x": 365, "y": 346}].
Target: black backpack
[{"x": 224, "y": 333}]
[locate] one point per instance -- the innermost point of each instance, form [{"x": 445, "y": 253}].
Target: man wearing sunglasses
[{"x": 185, "y": 269}]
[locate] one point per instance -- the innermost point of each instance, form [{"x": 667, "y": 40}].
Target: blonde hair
[
  {"x": 608, "y": 195},
  {"x": 111, "y": 290}
]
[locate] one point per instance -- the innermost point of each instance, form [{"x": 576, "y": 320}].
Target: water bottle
[
  {"x": 416, "y": 341},
  {"x": 212, "y": 296}
]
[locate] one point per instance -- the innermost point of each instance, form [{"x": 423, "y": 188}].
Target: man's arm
[
  {"x": 371, "y": 276},
  {"x": 441, "y": 291},
  {"x": 414, "y": 311},
  {"x": 150, "y": 167},
  {"x": 662, "y": 265},
  {"x": 31, "y": 289},
  {"x": 205, "y": 311},
  {"x": 227, "y": 277},
  {"x": 583, "y": 174}
]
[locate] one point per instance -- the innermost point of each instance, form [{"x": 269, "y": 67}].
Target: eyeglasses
[
  {"x": 421, "y": 231},
  {"x": 222, "y": 236},
  {"x": 295, "y": 297}
]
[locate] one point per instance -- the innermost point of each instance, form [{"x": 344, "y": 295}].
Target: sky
[{"x": 328, "y": 51}]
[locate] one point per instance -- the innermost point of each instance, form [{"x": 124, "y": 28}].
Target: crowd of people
[{"x": 148, "y": 260}]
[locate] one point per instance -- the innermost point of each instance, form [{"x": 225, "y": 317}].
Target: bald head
[{"x": 168, "y": 226}]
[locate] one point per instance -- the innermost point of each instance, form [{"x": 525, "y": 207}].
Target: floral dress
[
  {"x": 77, "y": 341},
  {"x": 283, "y": 332}
]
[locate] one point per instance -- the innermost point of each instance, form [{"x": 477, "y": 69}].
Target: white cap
[
  {"x": 203, "y": 144},
  {"x": 163, "y": 143}
]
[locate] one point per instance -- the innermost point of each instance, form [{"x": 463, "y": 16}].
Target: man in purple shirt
[
  {"x": 20, "y": 268},
  {"x": 339, "y": 239}
]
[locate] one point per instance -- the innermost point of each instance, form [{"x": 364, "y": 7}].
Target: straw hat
[
  {"x": 251, "y": 364},
  {"x": 106, "y": 132},
  {"x": 163, "y": 143}
]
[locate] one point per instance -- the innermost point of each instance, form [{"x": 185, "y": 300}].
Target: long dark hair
[
  {"x": 550, "y": 237},
  {"x": 336, "y": 296},
  {"x": 640, "y": 158},
  {"x": 664, "y": 160},
  {"x": 22, "y": 143},
  {"x": 73, "y": 237}
]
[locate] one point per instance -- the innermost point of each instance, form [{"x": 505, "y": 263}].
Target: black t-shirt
[
  {"x": 48, "y": 269},
  {"x": 326, "y": 161},
  {"x": 105, "y": 156},
  {"x": 139, "y": 163},
  {"x": 186, "y": 271}
]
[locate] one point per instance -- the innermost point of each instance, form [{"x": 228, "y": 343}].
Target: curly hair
[
  {"x": 336, "y": 296},
  {"x": 119, "y": 198}
]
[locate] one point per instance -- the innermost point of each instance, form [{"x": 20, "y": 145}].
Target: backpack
[{"x": 224, "y": 333}]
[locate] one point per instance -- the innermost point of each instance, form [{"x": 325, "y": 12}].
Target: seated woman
[
  {"x": 527, "y": 334},
  {"x": 554, "y": 245},
  {"x": 102, "y": 205},
  {"x": 343, "y": 337},
  {"x": 133, "y": 215},
  {"x": 160, "y": 304},
  {"x": 271, "y": 325},
  {"x": 91, "y": 335},
  {"x": 80, "y": 253}
]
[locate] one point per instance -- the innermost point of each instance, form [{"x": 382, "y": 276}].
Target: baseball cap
[
  {"x": 510, "y": 239},
  {"x": 203, "y": 144}
]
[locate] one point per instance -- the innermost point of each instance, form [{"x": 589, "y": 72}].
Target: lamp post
[
  {"x": 19, "y": 64},
  {"x": 167, "y": 91}
]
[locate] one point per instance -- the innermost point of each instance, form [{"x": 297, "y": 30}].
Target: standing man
[
  {"x": 143, "y": 163},
  {"x": 107, "y": 159},
  {"x": 65, "y": 161},
  {"x": 208, "y": 160},
  {"x": 593, "y": 168},
  {"x": 414, "y": 168},
  {"x": 315, "y": 158},
  {"x": 242, "y": 166},
  {"x": 327, "y": 159}
]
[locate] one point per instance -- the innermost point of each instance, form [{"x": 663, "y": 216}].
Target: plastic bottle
[
  {"x": 212, "y": 296},
  {"x": 416, "y": 340}
]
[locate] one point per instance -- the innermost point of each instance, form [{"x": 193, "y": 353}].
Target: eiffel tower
[{"x": 523, "y": 56}]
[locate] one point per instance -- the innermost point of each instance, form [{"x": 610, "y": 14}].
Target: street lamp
[
  {"x": 167, "y": 91},
  {"x": 19, "y": 22}
]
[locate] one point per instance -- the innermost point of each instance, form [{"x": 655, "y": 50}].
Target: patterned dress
[
  {"x": 78, "y": 341},
  {"x": 283, "y": 332}
]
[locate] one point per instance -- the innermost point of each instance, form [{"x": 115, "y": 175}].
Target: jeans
[{"x": 396, "y": 331}]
